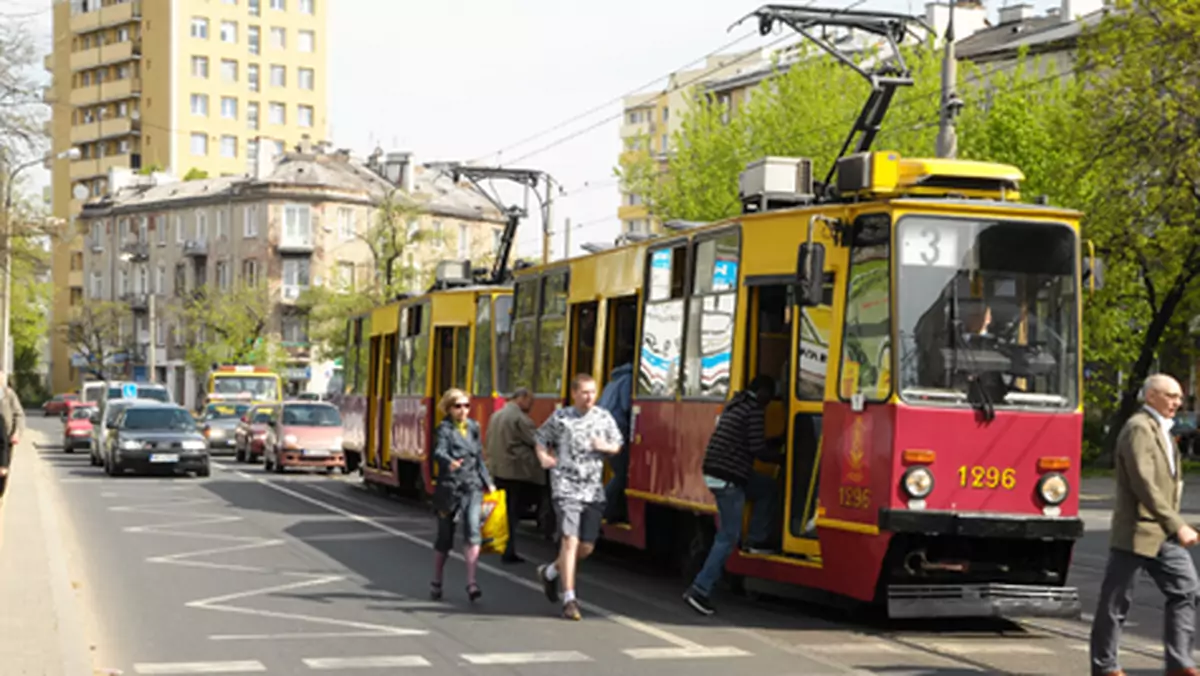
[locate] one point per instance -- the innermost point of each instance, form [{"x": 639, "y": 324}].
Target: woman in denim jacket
[{"x": 462, "y": 477}]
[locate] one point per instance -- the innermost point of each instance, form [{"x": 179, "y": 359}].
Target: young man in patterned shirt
[{"x": 580, "y": 436}]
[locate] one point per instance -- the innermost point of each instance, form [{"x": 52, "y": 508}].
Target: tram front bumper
[{"x": 982, "y": 600}]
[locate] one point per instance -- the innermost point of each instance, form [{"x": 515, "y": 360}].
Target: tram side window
[
  {"x": 481, "y": 381},
  {"x": 403, "y": 356},
  {"x": 462, "y": 354},
  {"x": 419, "y": 351},
  {"x": 816, "y": 325},
  {"x": 551, "y": 333},
  {"x": 503, "y": 343},
  {"x": 711, "y": 318},
  {"x": 524, "y": 333},
  {"x": 662, "y": 323},
  {"x": 350, "y": 360},
  {"x": 866, "y": 344},
  {"x": 364, "y": 355}
]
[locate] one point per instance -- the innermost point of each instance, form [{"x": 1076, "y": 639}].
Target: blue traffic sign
[{"x": 129, "y": 391}]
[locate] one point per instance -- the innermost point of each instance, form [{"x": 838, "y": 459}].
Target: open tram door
[{"x": 379, "y": 395}]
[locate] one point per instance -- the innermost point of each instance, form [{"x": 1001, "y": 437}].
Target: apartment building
[
  {"x": 174, "y": 85},
  {"x": 299, "y": 221}
]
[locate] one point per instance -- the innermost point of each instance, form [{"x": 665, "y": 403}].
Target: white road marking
[
  {"x": 684, "y": 653},
  {"x": 980, "y": 648},
  {"x": 527, "y": 658},
  {"x": 242, "y": 667},
  {"x": 857, "y": 648},
  {"x": 636, "y": 625},
  {"x": 299, "y": 636},
  {"x": 377, "y": 662}
]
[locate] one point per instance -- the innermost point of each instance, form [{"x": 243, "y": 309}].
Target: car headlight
[
  {"x": 130, "y": 445},
  {"x": 215, "y": 433},
  {"x": 193, "y": 445},
  {"x": 290, "y": 441},
  {"x": 917, "y": 482},
  {"x": 336, "y": 445},
  {"x": 1053, "y": 488}
]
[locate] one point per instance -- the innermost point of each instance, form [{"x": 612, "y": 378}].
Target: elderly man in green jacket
[
  {"x": 12, "y": 426},
  {"x": 513, "y": 462}
]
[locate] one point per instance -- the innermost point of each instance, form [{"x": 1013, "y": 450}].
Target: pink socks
[{"x": 471, "y": 554}]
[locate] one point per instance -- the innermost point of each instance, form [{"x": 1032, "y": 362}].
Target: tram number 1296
[
  {"x": 977, "y": 476},
  {"x": 854, "y": 497}
]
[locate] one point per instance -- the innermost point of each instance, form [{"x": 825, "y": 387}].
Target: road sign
[{"x": 129, "y": 391}]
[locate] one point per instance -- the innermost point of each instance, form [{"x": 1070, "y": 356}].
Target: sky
[{"x": 463, "y": 80}]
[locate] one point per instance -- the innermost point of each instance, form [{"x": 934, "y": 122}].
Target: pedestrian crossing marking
[
  {"x": 527, "y": 658},
  {"x": 366, "y": 662},
  {"x": 684, "y": 653},
  {"x": 238, "y": 667}
]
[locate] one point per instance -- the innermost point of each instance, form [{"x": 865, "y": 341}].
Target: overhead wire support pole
[
  {"x": 947, "y": 139},
  {"x": 884, "y": 79}
]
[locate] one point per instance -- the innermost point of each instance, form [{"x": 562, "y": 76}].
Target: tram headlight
[
  {"x": 1053, "y": 488},
  {"x": 917, "y": 482}
]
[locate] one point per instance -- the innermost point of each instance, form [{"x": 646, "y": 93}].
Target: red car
[
  {"x": 251, "y": 432},
  {"x": 58, "y": 404},
  {"x": 305, "y": 434},
  {"x": 77, "y": 432}
]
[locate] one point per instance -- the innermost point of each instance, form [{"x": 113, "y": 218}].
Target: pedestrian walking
[
  {"x": 513, "y": 462},
  {"x": 12, "y": 426},
  {"x": 462, "y": 477},
  {"x": 736, "y": 443},
  {"x": 616, "y": 399},
  {"x": 1149, "y": 534},
  {"x": 579, "y": 436}
]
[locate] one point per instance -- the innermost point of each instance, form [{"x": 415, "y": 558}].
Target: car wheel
[
  {"x": 204, "y": 473},
  {"x": 278, "y": 465}
]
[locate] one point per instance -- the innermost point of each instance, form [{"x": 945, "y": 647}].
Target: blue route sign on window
[{"x": 129, "y": 391}]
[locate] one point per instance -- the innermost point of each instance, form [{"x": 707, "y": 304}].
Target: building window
[
  {"x": 229, "y": 69},
  {"x": 228, "y": 149},
  {"x": 346, "y": 223},
  {"x": 224, "y": 276},
  {"x": 252, "y": 115},
  {"x": 255, "y": 8},
  {"x": 229, "y": 107},
  {"x": 278, "y": 148},
  {"x": 297, "y": 225},
  {"x": 179, "y": 233},
  {"x": 251, "y": 156},
  {"x": 160, "y": 280},
  {"x": 252, "y": 76},
  {"x": 160, "y": 226},
  {"x": 200, "y": 28},
  {"x": 201, "y": 226},
  {"x": 280, "y": 5},
  {"x": 295, "y": 277},
  {"x": 200, "y": 144},
  {"x": 307, "y": 7},
  {"x": 464, "y": 241},
  {"x": 305, "y": 79},
  {"x": 229, "y": 31},
  {"x": 222, "y": 221},
  {"x": 97, "y": 286},
  {"x": 250, "y": 272},
  {"x": 278, "y": 76},
  {"x": 345, "y": 276},
  {"x": 250, "y": 218},
  {"x": 253, "y": 39},
  {"x": 497, "y": 238},
  {"x": 200, "y": 67},
  {"x": 294, "y": 328},
  {"x": 200, "y": 105},
  {"x": 276, "y": 115},
  {"x": 666, "y": 114},
  {"x": 278, "y": 38},
  {"x": 180, "y": 278},
  {"x": 306, "y": 41},
  {"x": 305, "y": 116}
]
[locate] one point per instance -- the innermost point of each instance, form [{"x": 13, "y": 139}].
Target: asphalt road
[{"x": 248, "y": 572}]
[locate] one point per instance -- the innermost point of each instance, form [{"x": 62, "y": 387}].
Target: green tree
[
  {"x": 195, "y": 174},
  {"x": 94, "y": 331},
  {"x": 231, "y": 326},
  {"x": 1139, "y": 131}
]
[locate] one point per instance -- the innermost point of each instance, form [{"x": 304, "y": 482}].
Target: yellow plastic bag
[{"x": 494, "y": 515}]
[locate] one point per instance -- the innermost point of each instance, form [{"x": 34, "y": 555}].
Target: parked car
[
  {"x": 57, "y": 405},
  {"x": 219, "y": 423},
  {"x": 156, "y": 437},
  {"x": 1185, "y": 433},
  {"x": 103, "y": 417},
  {"x": 305, "y": 434},
  {"x": 251, "y": 432},
  {"x": 77, "y": 432}
]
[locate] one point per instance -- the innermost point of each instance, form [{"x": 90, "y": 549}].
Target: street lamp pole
[{"x": 10, "y": 177}]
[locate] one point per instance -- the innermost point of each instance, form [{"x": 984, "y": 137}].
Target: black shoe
[
  {"x": 549, "y": 586},
  {"x": 698, "y": 602},
  {"x": 515, "y": 558}
]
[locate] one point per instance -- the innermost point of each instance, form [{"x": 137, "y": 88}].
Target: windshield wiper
[{"x": 976, "y": 392}]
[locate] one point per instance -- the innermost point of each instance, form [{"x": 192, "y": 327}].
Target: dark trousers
[
  {"x": 1175, "y": 575},
  {"x": 517, "y": 496}
]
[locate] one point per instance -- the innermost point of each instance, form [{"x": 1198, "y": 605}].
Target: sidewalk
[{"x": 40, "y": 628}]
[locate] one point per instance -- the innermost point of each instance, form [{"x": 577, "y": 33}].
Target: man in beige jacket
[
  {"x": 12, "y": 419},
  {"x": 1149, "y": 534},
  {"x": 513, "y": 462}
]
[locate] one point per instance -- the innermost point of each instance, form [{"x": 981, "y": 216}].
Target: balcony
[
  {"x": 138, "y": 302},
  {"x": 112, "y": 15},
  {"x": 115, "y": 90},
  {"x": 290, "y": 293},
  {"x": 296, "y": 244},
  {"x": 75, "y": 278},
  {"x": 197, "y": 248},
  {"x": 107, "y": 54},
  {"x": 99, "y": 166},
  {"x": 111, "y": 128},
  {"x": 135, "y": 251}
]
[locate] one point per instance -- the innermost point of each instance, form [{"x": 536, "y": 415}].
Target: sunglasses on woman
[{"x": 462, "y": 404}]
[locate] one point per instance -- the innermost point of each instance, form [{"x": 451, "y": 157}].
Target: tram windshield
[{"x": 987, "y": 313}]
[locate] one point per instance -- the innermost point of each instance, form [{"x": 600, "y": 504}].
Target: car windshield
[
  {"x": 311, "y": 415},
  {"x": 175, "y": 419},
  {"x": 114, "y": 410},
  {"x": 143, "y": 392},
  {"x": 258, "y": 387},
  {"x": 263, "y": 418},
  {"x": 987, "y": 312},
  {"x": 82, "y": 413},
  {"x": 219, "y": 411}
]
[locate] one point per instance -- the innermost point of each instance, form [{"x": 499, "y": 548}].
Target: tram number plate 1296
[
  {"x": 976, "y": 476},
  {"x": 854, "y": 497}
]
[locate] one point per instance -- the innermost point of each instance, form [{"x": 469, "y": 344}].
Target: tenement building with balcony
[
  {"x": 173, "y": 85},
  {"x": 302, "y": 219}
]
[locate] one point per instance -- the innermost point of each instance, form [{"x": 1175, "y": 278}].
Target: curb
[{"x": 73, "y": 650}]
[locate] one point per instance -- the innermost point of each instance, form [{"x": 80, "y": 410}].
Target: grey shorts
[{"x": 579, "y": 519}]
